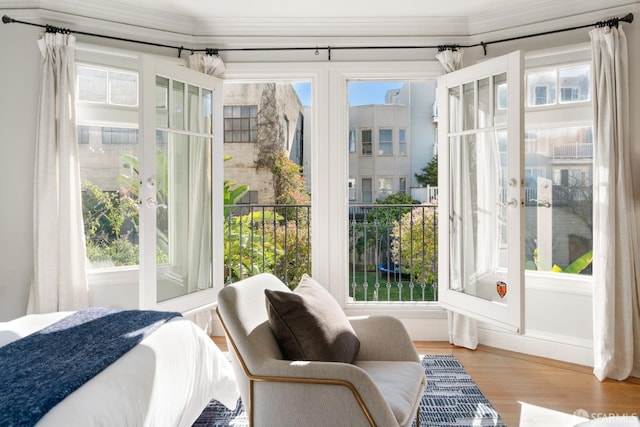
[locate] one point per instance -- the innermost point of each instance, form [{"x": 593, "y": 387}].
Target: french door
[
  {"x": 180, "y": 177},
  {"x": 481, "y": 200}
]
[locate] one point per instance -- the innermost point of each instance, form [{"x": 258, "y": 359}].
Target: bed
[{"x": 167, "y": 379}]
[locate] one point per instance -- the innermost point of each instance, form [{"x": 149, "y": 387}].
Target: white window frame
[
  {"x": 338, "y": 263},
  {"x": 573, "y": 113}
]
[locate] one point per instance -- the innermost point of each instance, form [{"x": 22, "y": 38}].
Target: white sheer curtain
[
  {"x": 463, "y": 331},
  {"x": 59, "y": 272},
  {"x": 616, "y": 301},
  {"x": 199, "y": 241}
]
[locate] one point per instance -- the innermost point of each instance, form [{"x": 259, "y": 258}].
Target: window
[
  {"x": 541, "y": 88},
  {"x": 352, "y": 141},
  {"x": 385, "y": 142},
  {"x": 402, "y": 141},
  {"x": 385, "y": 187},
  {"x": 107, "y": 86},
  {"x": 240, "y": 123},
  {"x": 559, "y": 182},
  {"x": 352, "y": 189},
  {"x": 571, "y": 82},
  {"x": 367, "y": 190},
  {"x": 402, "y": 185},
  {"x": 366, "y": 142},
  {"x": 107, "y": 117}
]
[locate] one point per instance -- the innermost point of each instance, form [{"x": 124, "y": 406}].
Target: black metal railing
[{"x": 392, "y": 248}]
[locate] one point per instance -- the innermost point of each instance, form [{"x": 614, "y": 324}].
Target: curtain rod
[{"x": 613, "y": 22}]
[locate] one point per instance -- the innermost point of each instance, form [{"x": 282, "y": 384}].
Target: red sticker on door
[{"x": 501, "y": 287}]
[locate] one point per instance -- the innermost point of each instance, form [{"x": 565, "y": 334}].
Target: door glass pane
[
  {"x": 484, "y": 103},
  {"x": 162, "y": 102},
  {"x": 183, "y": 215},
  {"x": 500, "y": 99},
  {"x": 478, "y": 215},
  {"x": 178, "y": 107},
  {"x": 207, "y": 111},
  {"x": 193, "y": 103},
  {"x": 454, "y": 109},
  {"x": 469, "y": 110}
]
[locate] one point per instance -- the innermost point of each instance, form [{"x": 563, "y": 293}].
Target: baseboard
[{"x": 542, "y": 344}]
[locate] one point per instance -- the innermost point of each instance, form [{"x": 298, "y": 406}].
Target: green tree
[
  {"x": 413, "y": 246},
  {"x": 429, "y": 173}
]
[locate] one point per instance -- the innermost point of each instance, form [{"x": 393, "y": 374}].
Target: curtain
[
  {"x": 59, "y": 270},
  {"x": 463, "y": 331},
  {"x": 208, "y": 64},
  {"x": 616, "y": 312}
]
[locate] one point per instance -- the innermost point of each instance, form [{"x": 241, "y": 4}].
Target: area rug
[{"x": 451, "y": 399}]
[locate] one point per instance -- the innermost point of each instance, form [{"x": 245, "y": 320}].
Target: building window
[
  {"x": 250, "y": 198},
  {"x": 352, "y": 141},
  {"x": 402, "y": 185},
  {"x": 385, "y": 187},
  {"x": 113, "y": 135},
  {"x": 240, "y": 123},
  {"x": 367, "y": 148},
  {"x": 367, "y": 190},
  {"x": 402, "y": 141},
  {"x": 385, "y": 142},
  {"x": 352, "y": 189}
]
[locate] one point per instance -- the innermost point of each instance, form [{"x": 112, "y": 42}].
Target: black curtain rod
[{"x": 613, "y": 22}]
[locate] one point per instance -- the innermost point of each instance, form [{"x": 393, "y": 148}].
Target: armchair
[{"x": 383, "y": 387}]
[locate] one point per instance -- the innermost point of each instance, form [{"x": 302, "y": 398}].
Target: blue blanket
[{"x": 39, "y": 370}]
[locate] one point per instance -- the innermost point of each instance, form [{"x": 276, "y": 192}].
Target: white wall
[
  {"x": 558, "y": 321},
  {"x": 19, "y": 85}
]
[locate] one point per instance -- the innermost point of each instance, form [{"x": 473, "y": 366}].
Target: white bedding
[{"x": 166, "y": 380}]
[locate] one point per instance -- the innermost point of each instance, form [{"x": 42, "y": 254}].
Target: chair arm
[
  {"x": 318, "y": 375},
  {"x": 383, "y": 338}
]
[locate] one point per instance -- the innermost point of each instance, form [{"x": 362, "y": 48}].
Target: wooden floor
[{"x": 507, "y": 378}]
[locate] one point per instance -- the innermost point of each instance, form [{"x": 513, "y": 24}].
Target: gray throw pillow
[{"x": 310, "y": 325}]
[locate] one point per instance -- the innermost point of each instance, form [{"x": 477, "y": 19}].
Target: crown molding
[
  {"x": 332, "y": 27},
  {"x": 546, "y": 14},
  {"x": 112, "y": 18}
]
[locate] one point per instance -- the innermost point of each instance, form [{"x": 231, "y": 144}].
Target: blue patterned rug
[{"x": 451, "y": 399}]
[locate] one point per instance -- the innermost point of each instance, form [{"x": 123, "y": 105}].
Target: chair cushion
[
  {"x": 401, "y": 383},
  {"x": 310, "y": 325}
]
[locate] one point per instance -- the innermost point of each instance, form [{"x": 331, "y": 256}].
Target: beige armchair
[{"x": 383, "y": 387}]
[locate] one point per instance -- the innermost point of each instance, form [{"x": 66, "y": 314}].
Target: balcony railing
[{"x": 392, "y": 248}]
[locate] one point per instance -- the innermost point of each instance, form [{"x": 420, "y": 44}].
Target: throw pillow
[{"x": 310, "y": 325}]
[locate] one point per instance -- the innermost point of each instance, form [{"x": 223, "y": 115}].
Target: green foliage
[
  {"x": 414, "y": 243},
  {"x": 429, "y": 173},
  {"x": 248, "y": 248},
  {"x": 377, "y": 227},
  {"x": 232, "y": 192},
  {"x": 288, "y": 181},
  {"x": 577, "y": 266},
  {"x": 110, "y": 225}
]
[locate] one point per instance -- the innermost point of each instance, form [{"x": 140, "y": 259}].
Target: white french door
[
  {"x": 481, "y": 210},
  {"x": 180, "y": 177}
]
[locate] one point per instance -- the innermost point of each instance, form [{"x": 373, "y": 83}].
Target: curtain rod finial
[
  {"x": 6, "y": 19},
  {"x": 627, "y": 18}
]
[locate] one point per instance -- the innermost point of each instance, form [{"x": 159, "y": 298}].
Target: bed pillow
[{"x": 310, "y": 325}]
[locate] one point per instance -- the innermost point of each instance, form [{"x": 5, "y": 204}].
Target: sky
[{"x": 360, "y": 92}]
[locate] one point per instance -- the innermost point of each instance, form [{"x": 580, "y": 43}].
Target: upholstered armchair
[{"x": 383, "y": 386}]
